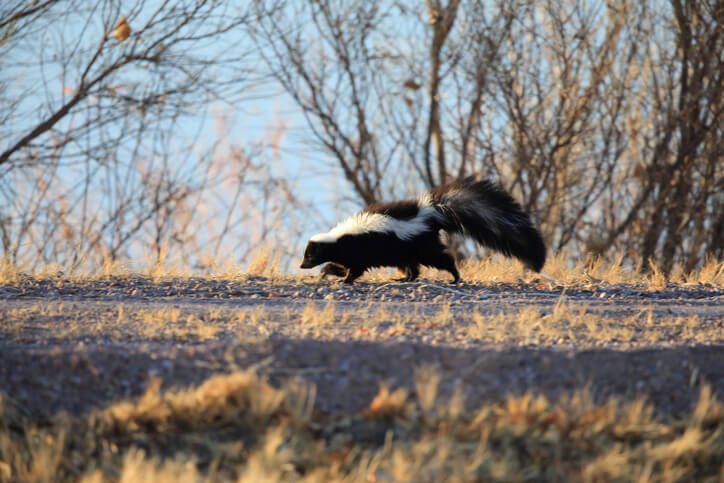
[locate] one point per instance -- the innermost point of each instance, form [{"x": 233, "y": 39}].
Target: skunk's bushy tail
[{"x": 486, "y": 212}]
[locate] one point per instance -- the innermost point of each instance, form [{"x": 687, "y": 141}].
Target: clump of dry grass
[
  {"x": 237, "y": 427},
  {"x": 240, "y": 398},
  {"x": 492, "y": 269},
  {"x": 137, "y": 467},
  {"x": 264, "y": 262},
  {"x": 314, "y": 316},
  {"x": 112, "y": 268},
  {"x": 169, "y": 322},
  {"x": 9, "y": 272},
  {"x": 161, "y": 268},
  {"x": 712, "y": 272},
  {"x": 388, "y": 403},
  {"x": 565, "y": 269}
]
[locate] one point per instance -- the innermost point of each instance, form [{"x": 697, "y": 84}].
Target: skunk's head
[{"x": 317, "y": 252}]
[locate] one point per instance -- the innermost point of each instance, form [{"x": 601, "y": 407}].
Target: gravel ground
[{"x": 75, "y": 345}]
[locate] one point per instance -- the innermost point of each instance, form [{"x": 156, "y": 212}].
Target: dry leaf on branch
[
  {"x": 412, "y": 84},
  {"x": 122, "y": 30}
]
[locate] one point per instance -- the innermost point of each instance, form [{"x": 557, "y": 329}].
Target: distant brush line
[{"x": 405, "y": 234}]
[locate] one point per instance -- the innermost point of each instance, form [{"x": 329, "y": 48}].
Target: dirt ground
[{"x": 71, "y": 346}]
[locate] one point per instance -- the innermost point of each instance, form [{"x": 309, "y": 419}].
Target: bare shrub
[
  {"x": 104, "y": 154},
  {"x": 604, "y": 118}
]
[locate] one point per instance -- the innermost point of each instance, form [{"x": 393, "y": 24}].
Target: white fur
[
  {"x": 457, "y": 200},
  {"x": 377, "y": 222},
  {"x": 323, "y": 238}
]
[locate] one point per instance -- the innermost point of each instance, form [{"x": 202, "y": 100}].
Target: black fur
[
  {"x": 516, "y": 237},
  {"x": 357, "y": 253},
  {"x": 401, "y": 210},
  {"x": 478, "y": 209}
]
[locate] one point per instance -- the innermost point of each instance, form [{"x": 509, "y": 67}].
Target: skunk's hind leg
[
  {"x": 353, "y": 274},
  {"x": 411, "y": 273},
  {"x": 442, "y": 260}
]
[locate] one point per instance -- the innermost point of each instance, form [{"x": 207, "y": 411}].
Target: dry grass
[
  {"x": 564, "y": 269},
  {"x": 9, "y": 272},
  {"x": 237, "y": 427},
  {"x": 117, "y": 322},
  {"x": 560, "y": 269},
  {"x": 576, "y": 323},
  {"x": 312, "y": 315},
  {"x": 566, "y": 322},
  {"x": 264, "y": 262},
  {"x": 567, "y": 270},
  {"x": 562, "y": 320}
]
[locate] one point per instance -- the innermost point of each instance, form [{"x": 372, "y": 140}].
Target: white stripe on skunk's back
[{"x": 376, "y": 222}]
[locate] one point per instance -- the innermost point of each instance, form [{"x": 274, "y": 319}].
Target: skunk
[{"x": 406, "y": 234}]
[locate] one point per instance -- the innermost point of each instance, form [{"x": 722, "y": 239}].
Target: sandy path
[{"x": 78, "y": 345}]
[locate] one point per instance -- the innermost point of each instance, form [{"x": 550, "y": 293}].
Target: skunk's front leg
[
  {"x": 334, "y": 269},
  {"x": 411, "y": 273}
]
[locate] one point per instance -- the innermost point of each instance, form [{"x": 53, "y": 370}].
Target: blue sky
[{"x": 38, "y": 84}]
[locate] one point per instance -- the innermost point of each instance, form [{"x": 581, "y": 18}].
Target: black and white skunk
[{"x": 406, "y": 234}]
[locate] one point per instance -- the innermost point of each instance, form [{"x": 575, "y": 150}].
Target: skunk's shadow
[{"x": 347, "y": 374}]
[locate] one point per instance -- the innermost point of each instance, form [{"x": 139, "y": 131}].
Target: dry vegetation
[
  {"x": 235, "y": 414},
  {"x": 236, "y": 426}
]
